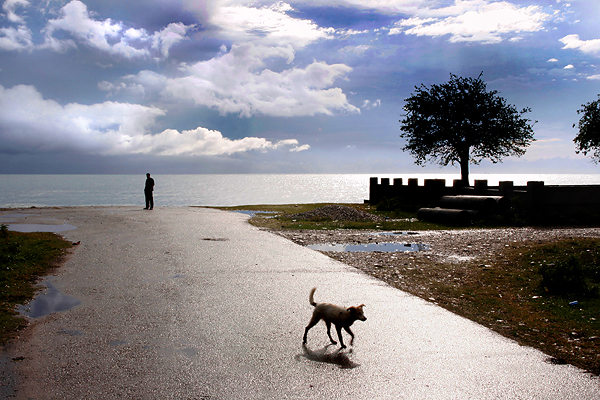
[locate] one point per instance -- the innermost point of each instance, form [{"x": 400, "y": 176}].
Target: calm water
[{"x": 223, "y": 190}]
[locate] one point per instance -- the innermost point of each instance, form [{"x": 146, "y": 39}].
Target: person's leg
[{"x": 151, "y": 201}]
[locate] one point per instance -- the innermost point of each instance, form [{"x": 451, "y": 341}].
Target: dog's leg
[
  {"x": 347, "y": 328},
  {"x": 312, "y": 323},
  {"x": 339, "y": 332},
  {"x": 329, "y": 332}
]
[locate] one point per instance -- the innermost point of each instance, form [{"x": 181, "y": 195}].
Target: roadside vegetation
[
  {"x": 24, "y": 257},
  {"x": 542, "y": 295},
  {"x": 278, "y": 217}
]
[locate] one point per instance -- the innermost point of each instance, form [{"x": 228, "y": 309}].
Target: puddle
[
  {"x": 252, "y": 213},
  {"x": 383, "y": 247},
  {"x": 396, "y": 233},
  {"x": 40, "y": 228},
  {"x": 49, "y": 301}
]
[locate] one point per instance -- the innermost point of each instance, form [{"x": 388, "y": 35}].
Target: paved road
[{"x": 197, "y": 304}]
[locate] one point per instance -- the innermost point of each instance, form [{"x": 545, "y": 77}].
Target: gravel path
[
  {"x": 444, "y": 245},
  {"x": 458, "y": 248}
]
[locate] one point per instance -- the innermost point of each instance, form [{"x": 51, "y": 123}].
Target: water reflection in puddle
[
  {"x": 383, "y": 247},
  {"x": 252, "y": 213},
  {"x": 396, "y": 233},
  {"x": 49, "y": 301}
]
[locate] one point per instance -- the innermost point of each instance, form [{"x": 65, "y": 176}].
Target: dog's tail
[{"x": 311, "y": 297}]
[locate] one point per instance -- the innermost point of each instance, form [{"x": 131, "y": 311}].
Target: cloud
[
  {"x": 10, "y": 7},
  {"x": 31, "y": 123},
  {"x": 171, "y": 35},
  {"x": 76, "y": 25},
  {"x": 11, "y": 38},
  {"x": 368, "y": 104},
  {"x": 585, "y": 46},
  {"x": 300, "y": 148},
  {"x": 358, "y": 50},
  {"x": 15, "y": 39},
  {"x": 202, "y": 141},
  {"x": 268, "y": 25},
  {"x": 475, "y": 21},
  {"x": 238, "y": 82}
]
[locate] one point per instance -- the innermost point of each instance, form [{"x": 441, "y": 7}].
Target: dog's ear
[
  {"x": 361, "y": 306},
  {"x": 351, "y": 310}
]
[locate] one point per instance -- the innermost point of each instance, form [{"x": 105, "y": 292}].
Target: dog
[{"x": 341, "y": 317}]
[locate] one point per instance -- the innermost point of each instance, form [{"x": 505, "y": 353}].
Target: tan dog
[{"x": 341, "y": 317}]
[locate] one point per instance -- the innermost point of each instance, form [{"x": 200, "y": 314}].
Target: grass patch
[
  {"x": 23, "y": 258},
  {"x": 534, "y": 289},
  {"x": 277, "y": 218},
  {"x": 511, "y": 296}
]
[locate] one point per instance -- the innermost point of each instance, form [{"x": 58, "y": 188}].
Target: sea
[{"x": 225, "y": 190}]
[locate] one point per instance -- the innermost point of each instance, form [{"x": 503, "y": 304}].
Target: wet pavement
[{"x": 188, "y": 303}]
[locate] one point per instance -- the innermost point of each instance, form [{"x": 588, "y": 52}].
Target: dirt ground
[{"x": 453, "y": 247}]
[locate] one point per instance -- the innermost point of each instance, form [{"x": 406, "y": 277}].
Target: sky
[{"x": 228, "y": 86}]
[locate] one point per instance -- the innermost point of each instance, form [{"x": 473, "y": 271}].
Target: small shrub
[
  {"x": 570, "y": 277},
  {"x": 4, "y": 232}
]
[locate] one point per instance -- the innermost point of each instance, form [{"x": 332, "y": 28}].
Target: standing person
[{"x": 148, "y": 192}]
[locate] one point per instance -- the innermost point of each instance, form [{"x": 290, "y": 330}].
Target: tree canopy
[
  {"x": 460, "y": 121},
  {"x": 588, "y": 139}
]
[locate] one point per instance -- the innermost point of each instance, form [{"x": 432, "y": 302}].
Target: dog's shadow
[{"x": 337, "y": 357}]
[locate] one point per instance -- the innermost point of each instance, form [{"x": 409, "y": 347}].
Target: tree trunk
[{"x": 464, "y": 167}]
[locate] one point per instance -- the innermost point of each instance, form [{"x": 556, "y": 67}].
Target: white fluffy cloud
[
  {"x": 267, "y": 25},
  {"x": 585, "y": 46},
  {"x": 31, "y": 122},
  {"x": 108, "y": 35},
  {"x": 77, "y": 26},
  {"x": 475, "y": 21},
  {"x": 202, "y": 141},
  {"x": 239, "y": 82},
  {"x": 15, "y": 38},
  {"x": 10, "y": 7}
]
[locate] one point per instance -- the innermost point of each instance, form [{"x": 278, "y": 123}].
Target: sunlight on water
[{"x": 225, "y": 190}]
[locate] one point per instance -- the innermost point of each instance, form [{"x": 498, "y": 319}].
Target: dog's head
[{"x": 357, "y": 312}]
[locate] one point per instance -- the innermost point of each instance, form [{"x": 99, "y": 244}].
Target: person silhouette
[{"x": 148, "y": 189}]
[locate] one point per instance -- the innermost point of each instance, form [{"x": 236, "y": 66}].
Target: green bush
[{"x": 571, "y": 277}]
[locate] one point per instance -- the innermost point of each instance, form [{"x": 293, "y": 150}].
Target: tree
[
  {"x": 461, "y": 122},
  {"x": 588, "y": 139}
]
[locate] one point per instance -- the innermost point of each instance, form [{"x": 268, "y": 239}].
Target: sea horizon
[{"x": 177, "y": 190}]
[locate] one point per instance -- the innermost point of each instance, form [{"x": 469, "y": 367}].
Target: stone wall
[{"x": 534, "y": 194}]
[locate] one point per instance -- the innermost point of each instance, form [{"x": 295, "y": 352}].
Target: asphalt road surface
[{"x": 191, "y": 303}]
